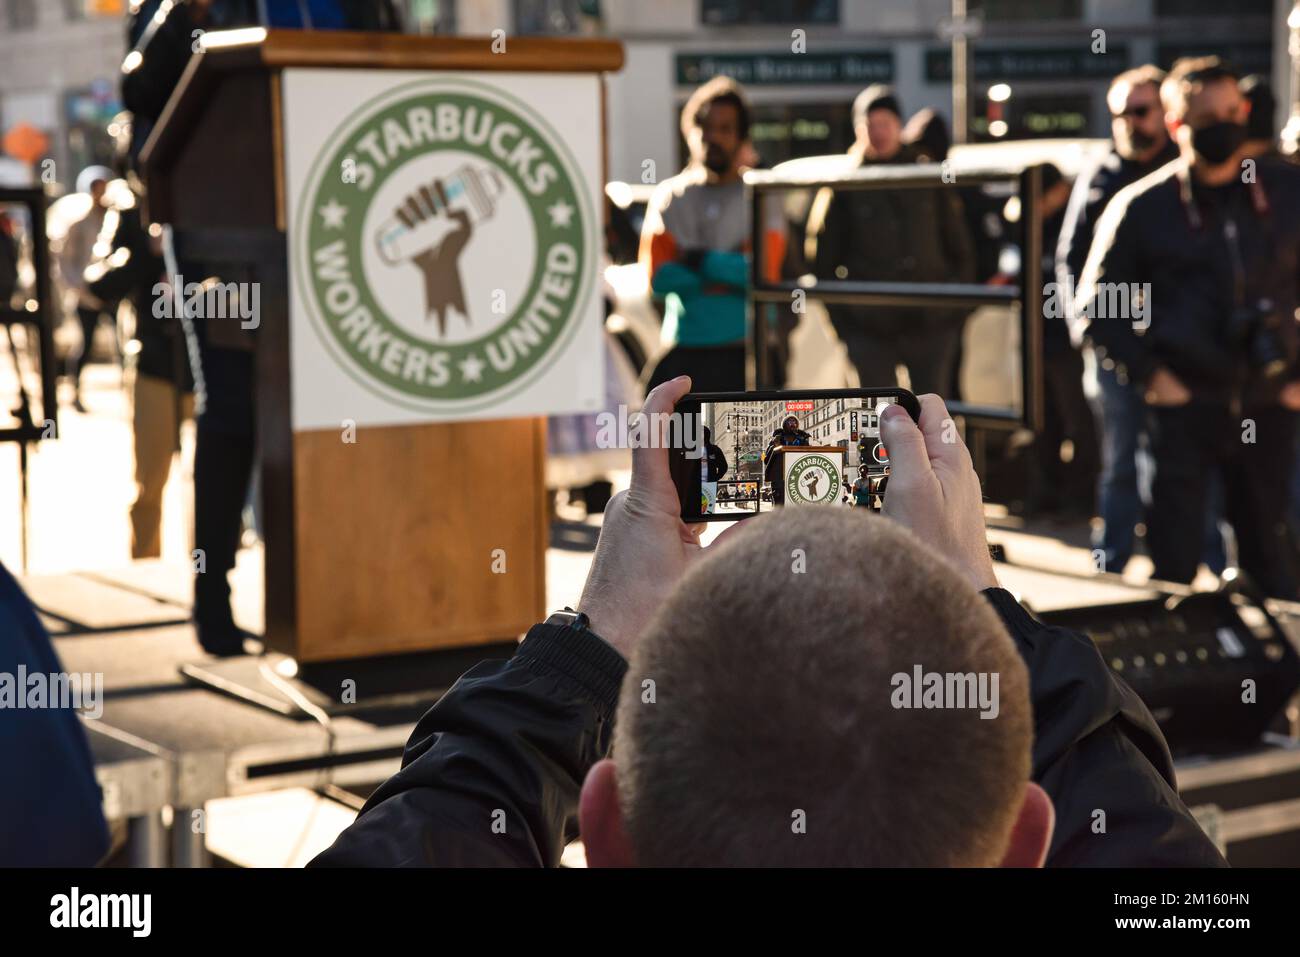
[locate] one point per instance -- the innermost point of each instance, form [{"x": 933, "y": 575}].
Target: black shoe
[
  {"x": 219, "y": 641},
  {"x": 214, "y": 624}
]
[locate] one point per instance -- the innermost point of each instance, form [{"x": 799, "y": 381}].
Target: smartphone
[{"x": 734, "y": 455}]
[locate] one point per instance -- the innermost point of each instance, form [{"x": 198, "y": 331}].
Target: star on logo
[
  {"x": 333, "y": 213},
  {"x": 471, "y": 369},
  {"x": 561, "y": 213}
]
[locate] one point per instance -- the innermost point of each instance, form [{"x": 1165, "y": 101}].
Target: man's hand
[
  {"x": 1166, "y": 389},
  {"x": 1290, "y": 396},
  {"x": 933, "y": 489},
  {"x": 644, "y": 546}
]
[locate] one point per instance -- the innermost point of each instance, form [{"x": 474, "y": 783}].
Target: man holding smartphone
[{"x": 746, "y": 695}]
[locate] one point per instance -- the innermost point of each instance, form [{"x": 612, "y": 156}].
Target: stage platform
[{"x": 166, "y": 747}]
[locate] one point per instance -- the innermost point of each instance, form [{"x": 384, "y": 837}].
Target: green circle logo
[
  {"x": 443, "y": 245},
  {"x": 813, "y": 480}
]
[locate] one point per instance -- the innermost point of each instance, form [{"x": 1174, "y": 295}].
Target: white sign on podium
[{"x": 444, "y": 245}]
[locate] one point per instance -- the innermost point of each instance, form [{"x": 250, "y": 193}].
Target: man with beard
[
  {"x": 1212, "y": 243},
  {"x": 1142, "y": 145},
  {"x": 788, "y": 434},
  {"x": 695, "y": 244}
]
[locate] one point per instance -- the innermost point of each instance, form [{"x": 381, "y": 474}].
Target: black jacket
[
  {"x": 513, "y": 740},
  {"x": 717, "y": 463},
  {"x": 1089, "y": 198},
  {"x": 166, "y": 46},
  {"x": 771, "y": 470},
  {"x": 1209, "y": 255},
  {"x": 896, "y": 235}
]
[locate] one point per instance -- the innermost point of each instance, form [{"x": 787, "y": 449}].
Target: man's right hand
[{"x": 933, "y": 489}]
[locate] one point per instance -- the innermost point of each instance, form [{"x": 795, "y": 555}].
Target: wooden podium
[{"x": 379, "y": 546}]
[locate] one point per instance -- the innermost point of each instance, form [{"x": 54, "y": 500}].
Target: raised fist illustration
[{"x": 432, "y": 235}]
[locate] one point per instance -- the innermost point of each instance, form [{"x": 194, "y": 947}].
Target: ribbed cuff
[{"x": 582, "y": 656}]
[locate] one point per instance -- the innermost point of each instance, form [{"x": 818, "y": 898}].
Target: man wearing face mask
[
  {"x": 695, "y": 244},
  {"x": 1190, "y": 290},
  {"x": 1142, "y": 146}
]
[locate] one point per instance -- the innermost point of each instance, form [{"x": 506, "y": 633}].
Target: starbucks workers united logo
[
  {"x": 813, "y": 480},
  {"x": 443, "y": 245}
]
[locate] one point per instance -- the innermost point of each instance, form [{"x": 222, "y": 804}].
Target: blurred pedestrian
[
  {"x": 1141, "y": 146},
  {"x": 1190, "y": 290},
  {"x": 893, "y": 235},
  {"x": 221, "y": 352},
  {"x": 1061, "y": 487},
  {"x": 161, "y": 385},
  {"x": 76, "y": 255},
  {"x": 695, "y": 245}
]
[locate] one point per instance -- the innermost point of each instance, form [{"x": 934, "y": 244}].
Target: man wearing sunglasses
[
  {"x": 1142, "y": 145},
  {"x": 1211, "y": 245}
]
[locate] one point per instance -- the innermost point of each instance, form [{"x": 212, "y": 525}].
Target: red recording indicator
[
  {"x": 799, "y": 405},
  {"x": 879, "y": 453}
]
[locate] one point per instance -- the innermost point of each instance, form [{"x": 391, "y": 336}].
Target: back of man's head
[
  {"x": 771, "y": 714},
  {"x": 1263, "y": 104}
]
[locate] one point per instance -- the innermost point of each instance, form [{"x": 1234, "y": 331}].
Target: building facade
[
  {"x": 738, "y": 431},
  {"x": 803, "y": 61},
  {"x": 829, "y": 422}
]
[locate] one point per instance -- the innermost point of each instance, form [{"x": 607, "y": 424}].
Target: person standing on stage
[
  {"x": 1141, "y": 146},
  {"x": 788, "y": 434},
  {"x": 1210, "y": 244}
]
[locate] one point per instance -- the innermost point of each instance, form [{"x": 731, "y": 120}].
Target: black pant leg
[
  {"x": 1066, "y": 403},
  {"x": 1256, "y": 493},
  {"x": 89, "y": 319},
  {"x": 929, "y": 349},
  {"x": 1185, "y": 443},
  {"x": 222, "y": 469}
]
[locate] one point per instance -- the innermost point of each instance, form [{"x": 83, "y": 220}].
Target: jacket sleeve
[
  {"x": 1112, "y": 264},
  {"x": 50, "y": 809},
  {"x": 1076, "y": 232},
  {"x": 725, "y": 269},
  {"x": 492, "y": 772},
  {"x": 1100, "y": 756}
]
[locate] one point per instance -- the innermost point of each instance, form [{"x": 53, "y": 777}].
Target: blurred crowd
[{"x": 1170, "y": 423}]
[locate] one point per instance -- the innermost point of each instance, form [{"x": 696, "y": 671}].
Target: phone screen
[{"x": 736, "y": 455}]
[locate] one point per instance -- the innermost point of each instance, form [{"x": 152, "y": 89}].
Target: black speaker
[{"x": 1215, "y": 668}]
